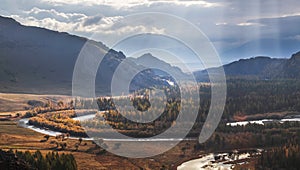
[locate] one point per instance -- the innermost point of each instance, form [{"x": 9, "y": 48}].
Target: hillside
[
  {"x": 258, "y": 68},
  {"x": 148, "y": 59},
  {"x": 41, "y": 61},
  {"x": 289, "y": 68}
]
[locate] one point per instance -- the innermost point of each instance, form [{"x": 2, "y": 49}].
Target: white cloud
[
  {"x": 221, "y": 23},
  {"x": 297, "y": 37},
  {"x": 52, "y": 13},
  {"x": 249, "y": 24},
  {"x": 106, "y": 27},
  {"x": 49, "y": 23},
  {"x": 130, "y": 3}
]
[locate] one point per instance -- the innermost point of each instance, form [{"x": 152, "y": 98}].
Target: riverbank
[
  {"x": 224, "y": 161},
  {"x": 24, "y": 123},
  {"x": 290, "y": 118}
]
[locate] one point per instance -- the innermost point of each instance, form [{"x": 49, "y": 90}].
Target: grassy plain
[{"x": 87, "y": 156}]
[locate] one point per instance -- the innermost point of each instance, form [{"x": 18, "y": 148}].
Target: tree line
[{"x": 27, "y": 160}]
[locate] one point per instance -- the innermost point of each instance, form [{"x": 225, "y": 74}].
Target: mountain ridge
[
  {"x": 38, "y": 60},
  {"x": 260, "y": 67},
  {"x": 41, "y": 61},
  {"x": 148, "y": 60}
]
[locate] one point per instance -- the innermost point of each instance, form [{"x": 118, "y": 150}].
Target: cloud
[
  {"x": 49, "y": 23},
  {"x": 296, "y": 37},
  {"x": 240, "y": 11},
  {"x": 52, "y": 13},
  {"x": 92, "y": 20},
  {"x": 249, "y": 24},
  {"x": 131, "y": 3},
  {"x": 227, "y": 23},
  {"x": 282, "y": 27}
]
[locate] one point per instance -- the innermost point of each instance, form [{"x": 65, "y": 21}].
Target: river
[
  {"x": 295, "y": 118},
  {"x": 24, "y": 123},
  {"x": 205, "y": 162}
]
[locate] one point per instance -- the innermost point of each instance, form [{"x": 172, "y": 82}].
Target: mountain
[
  {"x": 289, "y": 69},
  {"x": 38, "y": 60},
  {"x": 165, "y": 69},
  {"x": 259, "y": 68},
  {"x": 271, "y": 47},
  {"x": 41, "y": 61}
]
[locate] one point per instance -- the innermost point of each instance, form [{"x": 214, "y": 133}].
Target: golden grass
[
  {"x": 22, "y": 139},
  {"x": 18, "y": 138},
  {"x": 12, "y": 102}
]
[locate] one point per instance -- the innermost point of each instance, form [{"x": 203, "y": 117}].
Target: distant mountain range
[
  {"x": 37, "y": 60},
  {"x": 259, "y": 68},
  {"x": 270, "y": 47},
  {"x": 148, "y": 60}
]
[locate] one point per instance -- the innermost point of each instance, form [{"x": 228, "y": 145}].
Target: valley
[
  {"x": 240, "y": 136},
  {"x": 45, "y": 123}
]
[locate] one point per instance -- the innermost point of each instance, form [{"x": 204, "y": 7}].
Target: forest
[
  {"x": 284, "y": 157},
  {"x": 252, "y": 136},
  {"x": 27, "y": 160},
  {"x": 246, "y": 100}
]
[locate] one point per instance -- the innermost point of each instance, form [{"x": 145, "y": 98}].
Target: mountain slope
[
  {"x": 289, "y": 69},
  {"x": 258, "y": 68},
  {"x": 165, "y": 69},
  {"x": 37, "y": 60}
]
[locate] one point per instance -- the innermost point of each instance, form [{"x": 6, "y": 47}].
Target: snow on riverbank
[
  {"x": 208, "y": 162},
  {"x": 263, "y": 121}
]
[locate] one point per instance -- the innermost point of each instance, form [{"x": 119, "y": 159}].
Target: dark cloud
[
  {"x": 92, "y": 20},
  {"x": 282, "y": 27}
]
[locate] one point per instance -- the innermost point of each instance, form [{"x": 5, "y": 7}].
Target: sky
[{"x": 236, "y": 28}]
